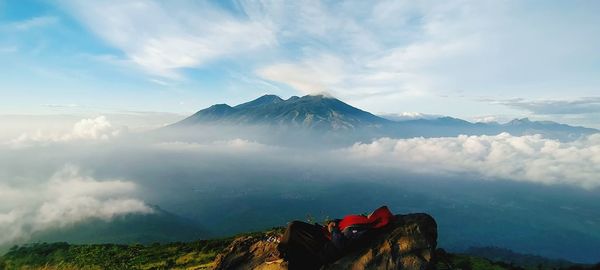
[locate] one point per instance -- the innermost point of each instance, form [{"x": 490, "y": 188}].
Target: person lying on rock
[{"x": 310, "y": 246}]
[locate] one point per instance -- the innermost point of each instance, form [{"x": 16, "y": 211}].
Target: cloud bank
[
  {"x": 552, "y": 107},
  {"x": 235, "y": 146},
  {"x": 66, "y": 198},
  {"x": 405, "y": 116},
  {"x": 98, "y": 128},
  {"x": 526, "y": 158}
]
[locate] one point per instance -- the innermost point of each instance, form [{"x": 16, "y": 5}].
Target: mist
[{"x": 526, "y": 193}]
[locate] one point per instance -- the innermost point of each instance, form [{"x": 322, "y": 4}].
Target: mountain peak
[
  {"x": 517, "y": 121},
  {"x": 261, "y": 101},
  {"x": 321, "y": 95},
  {"x": 219, "y": 108}
]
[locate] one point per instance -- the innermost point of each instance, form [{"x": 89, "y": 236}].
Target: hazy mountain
[
  {"x": 160, "y": 226},
  {"x": 320, "y": 113},
  {"x": 313, "y": 112},
  {"x": 527, "y": 261}
]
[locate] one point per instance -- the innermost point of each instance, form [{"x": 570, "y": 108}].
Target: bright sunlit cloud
[
  {"x": 65, "y": 198},
  {"x": 92, "y": 129},
  {"x": 521, "y": 158}
]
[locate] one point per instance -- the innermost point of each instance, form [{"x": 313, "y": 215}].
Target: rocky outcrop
[
  {"x": 250, "y": 252},
  {"x": 408, "y": 243}
]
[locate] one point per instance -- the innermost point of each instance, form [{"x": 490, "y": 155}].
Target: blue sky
[{"x": 478, "y": 60}]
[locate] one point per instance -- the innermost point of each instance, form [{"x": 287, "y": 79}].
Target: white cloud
[
  {"x": 234, "y": 145},
  {"x": 526, "y": 158},
  {"x": 314, "y": 75},
  {"x": 404, "y": 116},
  {"x": 486, "y": 119},
  {"x": 98, "y": 128},
  {"x": 374, "y": 54},
  {"x": 587, "y": 105},
  {"x": 162, "y": 39},
  {"x": 94, "y": 129},
  {"x": 66, "y": 198},
  {"x": 32, "y": 23}
]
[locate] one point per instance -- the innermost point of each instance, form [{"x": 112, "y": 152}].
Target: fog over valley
[{"x": 528, "y": 193}]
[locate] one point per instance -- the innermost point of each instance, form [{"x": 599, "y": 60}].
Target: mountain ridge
[
  {"x": 324, "y": 113},
  {"x": 310, "y": 111}
]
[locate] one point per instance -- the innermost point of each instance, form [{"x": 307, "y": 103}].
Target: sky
[{"x": 476, "y": 60}]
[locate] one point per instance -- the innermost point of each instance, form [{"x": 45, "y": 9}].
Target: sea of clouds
[
  {"x": 70, "y": 191},
  {"x": 520, "y": 158}
]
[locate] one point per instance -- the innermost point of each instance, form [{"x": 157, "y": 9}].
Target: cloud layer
[
  {"x": 552, "y": 107},
  {"x": 66, "y": 198},
  {"x": 98, "y": 128},
  {"x": 36, "y": 194},
  {"x": 526, "y": 158}
]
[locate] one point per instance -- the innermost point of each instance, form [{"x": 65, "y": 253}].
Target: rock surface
[{"x": 408, "y": 243}]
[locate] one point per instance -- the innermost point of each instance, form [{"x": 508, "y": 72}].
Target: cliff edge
[{"x": 408, "y": 243}]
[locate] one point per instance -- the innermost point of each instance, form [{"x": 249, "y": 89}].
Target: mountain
[
  {"x": 310, "y": 111},
  {"x": 160, "y": 226},
  {"x": 513, "y": 258},
  {"x": 448, "y": 126},
  {"x": 322, "y": 113}
]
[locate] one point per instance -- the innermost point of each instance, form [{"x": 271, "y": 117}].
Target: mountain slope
[
  {"x": 513, "y": 258},
  {"x": 313, "y": 112},
  {"x": 160, "y": 226}
]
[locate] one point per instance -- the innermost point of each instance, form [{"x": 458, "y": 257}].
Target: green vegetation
[
  {"x": 527, "y": 261},
  {"x": 446, "y": 260},
  {"x": 200, "y": 255},
  {"x": 55, "y": 256},
  {"x": 194, "y": 255}
]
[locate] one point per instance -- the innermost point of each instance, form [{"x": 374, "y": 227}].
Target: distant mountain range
[
  {"x": 327, "y": 114},
  {"x": 527, "y": 261}
]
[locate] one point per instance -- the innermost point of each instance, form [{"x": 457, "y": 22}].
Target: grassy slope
[
  {"x": 191, "y": 255},
  {"x": 470, "y": 262}
]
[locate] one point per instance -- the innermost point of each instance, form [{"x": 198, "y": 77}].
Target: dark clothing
[
  {"x": 305, "y": 246},
  {"x": 338, "y": 238}
]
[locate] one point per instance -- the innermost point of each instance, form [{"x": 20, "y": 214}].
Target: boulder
[{"x": 408, "y": 243}]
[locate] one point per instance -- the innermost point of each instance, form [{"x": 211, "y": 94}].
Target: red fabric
[
  {"x": 379, "y": 218},
  {"x": 352, "y": 220}
]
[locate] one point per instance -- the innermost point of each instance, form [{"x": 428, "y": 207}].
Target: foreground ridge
[{"x": 409, "y": 243}]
